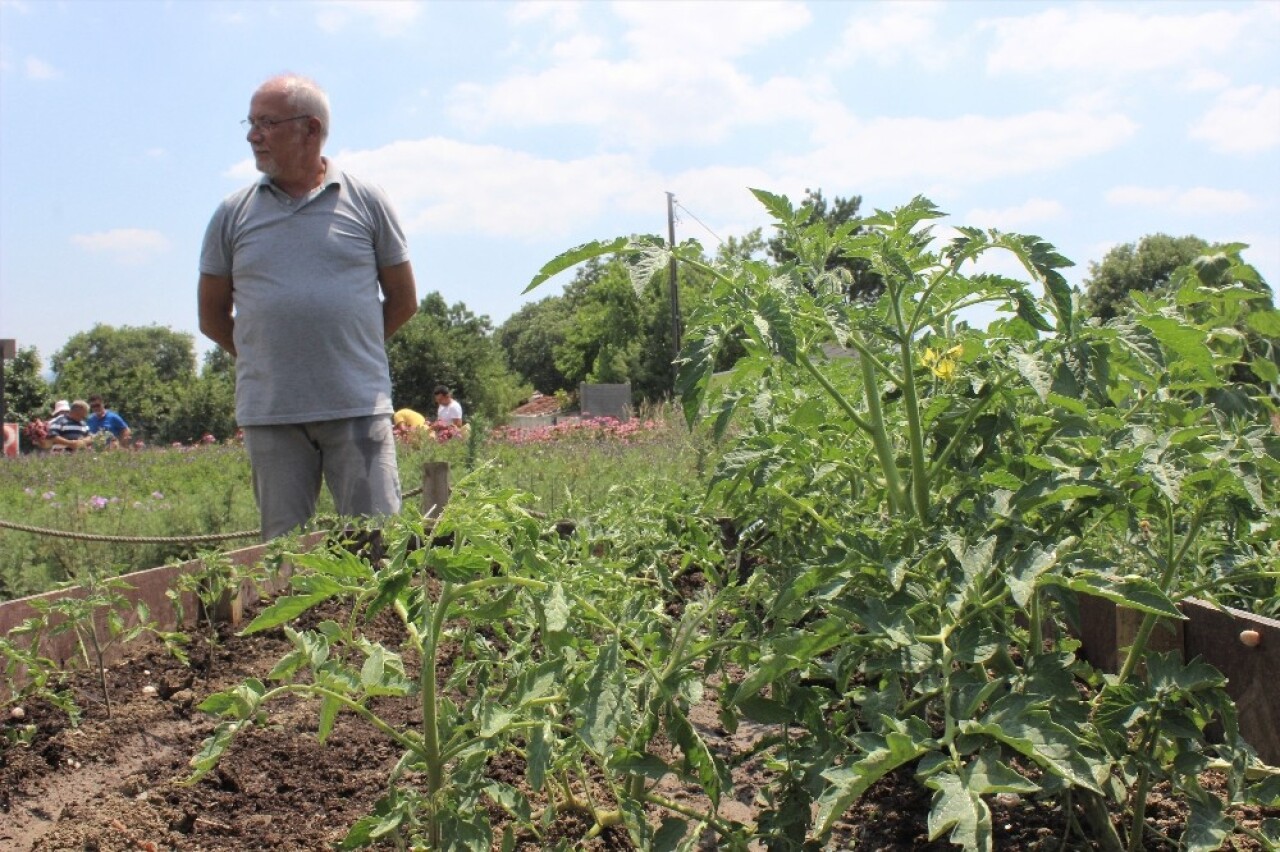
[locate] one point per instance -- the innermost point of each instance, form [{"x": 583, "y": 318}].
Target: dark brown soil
[{"x": 112, "y": 784}]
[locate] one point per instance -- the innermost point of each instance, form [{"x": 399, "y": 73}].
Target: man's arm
[
  {"x": 70, "y": 443},
  {"x": 399, "y": 296},
  {"x": 215, "y": 305},
  {"x": 124, "y": 435}
]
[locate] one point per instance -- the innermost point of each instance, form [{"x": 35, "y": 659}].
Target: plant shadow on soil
[{"x": 110, "y": 784}]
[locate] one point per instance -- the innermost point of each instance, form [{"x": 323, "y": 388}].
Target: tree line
[{"x": 609, "y": 325}]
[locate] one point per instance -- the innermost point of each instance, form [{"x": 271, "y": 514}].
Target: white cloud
[
  {"x": 1242, "y": 120},
  {"x": 1203, "y": 199},
  {"x": 560, "y": 15},
  {"x": 890, "y": 33},
  {"x": 1102, "y": 39},
  {"x": 1199, "y": 199},
  {"x": 453, "y": 187},
  {"x": 1206, "y": 80},
  {"x": 388, "y": 17},
  {"x": 1140, "y": 196},
  {"x": 962, "y": 150},
  {"x": 1032, "y": 211},
  {"x": 578, "y": 48},
  {"x": 706, "y": 30},
  {"x": 672, "y": 80},
  {"x": 637, "y": 104},
  {"x": 129, "y": 246},
  {"x": 38, "y": 69}
]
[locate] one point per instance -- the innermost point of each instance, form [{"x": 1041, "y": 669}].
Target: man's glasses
[{"x": 265, "y": 124}]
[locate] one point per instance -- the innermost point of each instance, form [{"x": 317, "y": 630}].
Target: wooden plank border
[
  {"x": 1213, "y": 635},
  {"x": 151, "y": 587}
]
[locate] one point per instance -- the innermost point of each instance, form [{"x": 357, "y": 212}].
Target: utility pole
[{"x": 676, "y": 330}]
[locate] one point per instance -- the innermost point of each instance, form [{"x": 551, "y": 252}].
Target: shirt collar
[{"x": 332, "y": 177}]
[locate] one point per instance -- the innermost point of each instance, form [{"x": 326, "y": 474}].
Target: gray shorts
[{"x": 355, "y": 457}]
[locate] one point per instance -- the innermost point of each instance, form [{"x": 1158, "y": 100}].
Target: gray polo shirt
[{"x": 308, "y": 313}]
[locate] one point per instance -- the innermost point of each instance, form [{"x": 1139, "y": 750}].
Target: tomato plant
[{"x": 931, "y": 498}]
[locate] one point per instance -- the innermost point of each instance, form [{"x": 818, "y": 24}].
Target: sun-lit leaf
[
  {"x": 962, "y": 810},
  {"x": 575, "y": 256}
]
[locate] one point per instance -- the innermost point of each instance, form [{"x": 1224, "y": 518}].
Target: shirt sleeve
[{"x": 215, "y": 252}]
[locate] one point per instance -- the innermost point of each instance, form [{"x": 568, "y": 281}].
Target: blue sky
[{"x": 506, "y": 133}]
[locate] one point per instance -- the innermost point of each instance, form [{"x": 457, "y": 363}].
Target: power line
[{"x": 699, "y": 221}]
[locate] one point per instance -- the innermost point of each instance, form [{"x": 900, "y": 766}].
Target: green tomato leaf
[
  {"x": 1024, "y": 575},
  {"x": 1039, "y": 377},
  {"x": 374, "y": 668},
  {"x": 538, "y": 755},
  {"x": 779, "y": 206},
  {"x": 329, "y": 707},
  {"x": 604, "y": 706},
  {"x": 987, "y": 773},
  {"x": 960, "y": 809},
  {"x": 849, "y": 782},
  {"x": 1131, "y": 592},
  {"x": 211, "y": 750},
  {"x": 574, "y": 256},
  {"x": 494, "y": 719},
  {"x": 286, "y": 609},
  {"x": 1266, "y": 323},
  {"x": 1207, "y": 825}
]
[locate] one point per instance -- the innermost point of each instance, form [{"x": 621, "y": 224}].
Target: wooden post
[
  {"x": 435, "y": 488},
  {"x": 8, "y": 349}
]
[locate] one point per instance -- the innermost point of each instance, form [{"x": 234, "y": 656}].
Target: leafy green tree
[
  {"x": 26, "y": 393},
  {"x": 529, "y": 338},
  {"x": 603, "y": 341},
  {"x": 1144, "y": 266},
  {"x": 204, "y": 406},
  {"x": 140, "y": 371},
  {"x": 613, "y": 324},
  {"x": 449, "y": 345}
]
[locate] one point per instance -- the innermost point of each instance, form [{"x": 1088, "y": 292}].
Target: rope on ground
[
  {"x": 155, "y": 539},
  {"x": 127, "y": 539}
]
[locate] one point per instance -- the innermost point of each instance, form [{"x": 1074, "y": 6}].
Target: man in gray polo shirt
[{"x": 303, "y": 276}]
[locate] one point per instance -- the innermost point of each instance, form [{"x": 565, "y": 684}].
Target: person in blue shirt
[{"x": 102, "y": 417}]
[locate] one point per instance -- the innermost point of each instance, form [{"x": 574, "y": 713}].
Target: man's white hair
[{"x": 305, "y": 97}]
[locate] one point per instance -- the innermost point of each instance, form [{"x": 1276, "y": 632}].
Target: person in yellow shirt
[{"x": 407, "y": 419}]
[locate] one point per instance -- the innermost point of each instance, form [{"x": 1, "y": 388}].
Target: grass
[{"x": 572, "y": 469}]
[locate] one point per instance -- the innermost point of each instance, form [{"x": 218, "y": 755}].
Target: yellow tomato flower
[{"x": 942, "y": 364}]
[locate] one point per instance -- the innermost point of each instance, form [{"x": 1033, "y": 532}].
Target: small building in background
[{"x": 606, "y": 401}]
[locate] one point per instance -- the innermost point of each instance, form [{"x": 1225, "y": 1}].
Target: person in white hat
[{"x": 67, "y": 430}]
